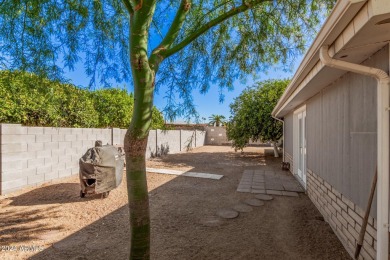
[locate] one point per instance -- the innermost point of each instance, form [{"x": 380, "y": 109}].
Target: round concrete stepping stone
[
  {"x": 241, "y": 207},
  {"x": 254, "y": 202},
  {"x": 227, "y": 213},
  {"x": 264, "y": 197}
]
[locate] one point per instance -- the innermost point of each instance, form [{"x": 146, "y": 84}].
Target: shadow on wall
[
  {"x": 190, "y": 142},
  {"x": 162, "y": 150}
]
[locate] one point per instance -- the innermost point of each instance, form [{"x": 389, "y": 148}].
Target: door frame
[{"x": 300, "y": 113}]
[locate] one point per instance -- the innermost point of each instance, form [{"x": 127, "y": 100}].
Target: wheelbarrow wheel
[
  {"x": 82, "y": 194},
  {"x": 105, "y": 194}
]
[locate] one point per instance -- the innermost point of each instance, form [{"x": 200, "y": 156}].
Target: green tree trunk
[
  {"x": 135, "y": 144},
  {"x": 136, "y": 137}
]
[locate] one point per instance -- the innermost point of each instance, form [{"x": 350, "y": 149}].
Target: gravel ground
[{"x": 53, "y": 222}]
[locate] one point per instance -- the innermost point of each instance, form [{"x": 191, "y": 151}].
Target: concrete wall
[
  {"x": 33, "y": 155},
  {"x": 188, "y": 140},
  {"x": 167, "y": 141},
  {"x": 200, "y": 137},
  {"x": 216, "y": 135}
]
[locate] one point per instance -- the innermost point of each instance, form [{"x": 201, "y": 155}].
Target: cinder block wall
[
  {"x": 216, "y": 135},
  {"x": 168, "y": 141},
  {"x": 343, "y": 216},
  {"x": 176, "y": 140},
  {"x": 32, "y": 155},
  {"x": 200, "y": 137},
  {"x": 187, "y": 139}
]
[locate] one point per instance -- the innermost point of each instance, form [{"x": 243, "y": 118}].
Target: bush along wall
[{"x": 34, "y": 101}]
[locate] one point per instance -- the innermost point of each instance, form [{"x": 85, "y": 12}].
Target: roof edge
[{"x": 327, "y": 34}]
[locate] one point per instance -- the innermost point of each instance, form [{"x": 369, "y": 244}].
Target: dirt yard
[{"x": 53, "y": 222}]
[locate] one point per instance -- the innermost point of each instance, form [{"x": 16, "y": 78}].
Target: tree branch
[
  {"x": 128, "y": 6},
  {"x": 212, "y": 10},
  {"x": 172, "y": 34},
  {"x": 236, "y": 10}
]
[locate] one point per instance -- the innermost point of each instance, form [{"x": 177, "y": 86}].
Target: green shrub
[
  {"x": 158, "y": 121},
  {"x": 114, "y": 106},
  {"x": 33, "y": 101}
]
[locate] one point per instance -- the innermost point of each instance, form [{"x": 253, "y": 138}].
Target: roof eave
[{"x": 343, "y": 12}]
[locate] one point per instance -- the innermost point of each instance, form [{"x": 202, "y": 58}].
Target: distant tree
[
  {"x": 251, "y": 115},
  {"x": 217, "y": 120}
]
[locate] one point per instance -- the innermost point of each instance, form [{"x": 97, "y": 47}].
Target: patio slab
[{"x": 269, "y": 182}]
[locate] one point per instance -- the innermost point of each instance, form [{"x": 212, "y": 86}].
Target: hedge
[{"x": 34, "y": 101}]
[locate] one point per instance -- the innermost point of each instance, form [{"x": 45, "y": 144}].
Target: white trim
[
  {"x": 343, "y": 12},
  {"x": 300, "y": 112},
  {"x": 300, "y": 109}
]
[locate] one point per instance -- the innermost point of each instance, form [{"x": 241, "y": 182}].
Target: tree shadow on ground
[
  {"x": 220, "y": 160},
  {"x": 52, "y": 194},
  {"x": 184, "y": 224},
  {"x": 106, "y": 238},
  {"x": 26, "y": 225}
]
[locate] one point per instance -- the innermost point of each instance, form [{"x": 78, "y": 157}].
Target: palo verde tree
[
  {"x": 251, "y": 115},
  {"x": 178, "y": 46}
]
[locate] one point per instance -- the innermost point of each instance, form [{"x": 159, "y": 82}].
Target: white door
[{"x": 302, "y": 146}]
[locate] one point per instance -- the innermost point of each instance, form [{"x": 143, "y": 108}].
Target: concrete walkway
[
  {"x": 186, "y": 173},
  {"x": 269, "y": 182}
]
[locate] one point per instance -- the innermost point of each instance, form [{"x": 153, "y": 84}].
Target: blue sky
[{"x": 206, "y": 104}]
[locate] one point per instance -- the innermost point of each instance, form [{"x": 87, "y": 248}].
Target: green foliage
[
  {"x": 251, "y": 114},
  {"x": 115, "y": 107},
  {"x": 222, "y": 40},
  {"x": 217, "y": 120},
  {"x": 31, "y": 100},
  {"x": 158, "y": 121},
  {"x": 74, "y": 107},
  {"x": 204, "y": 42},
  {"x": 34, "y": 101}
]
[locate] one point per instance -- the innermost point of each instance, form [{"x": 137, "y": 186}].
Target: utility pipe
[
  {"x": 383, "y": 85},
  {"x": 280, "y": 120}
]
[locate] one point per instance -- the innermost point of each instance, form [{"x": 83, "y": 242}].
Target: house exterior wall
[
  {"x": 344, "y": 216},
  {"x": 341, "y": 134},
  {"x": 30, "y": 156}
]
